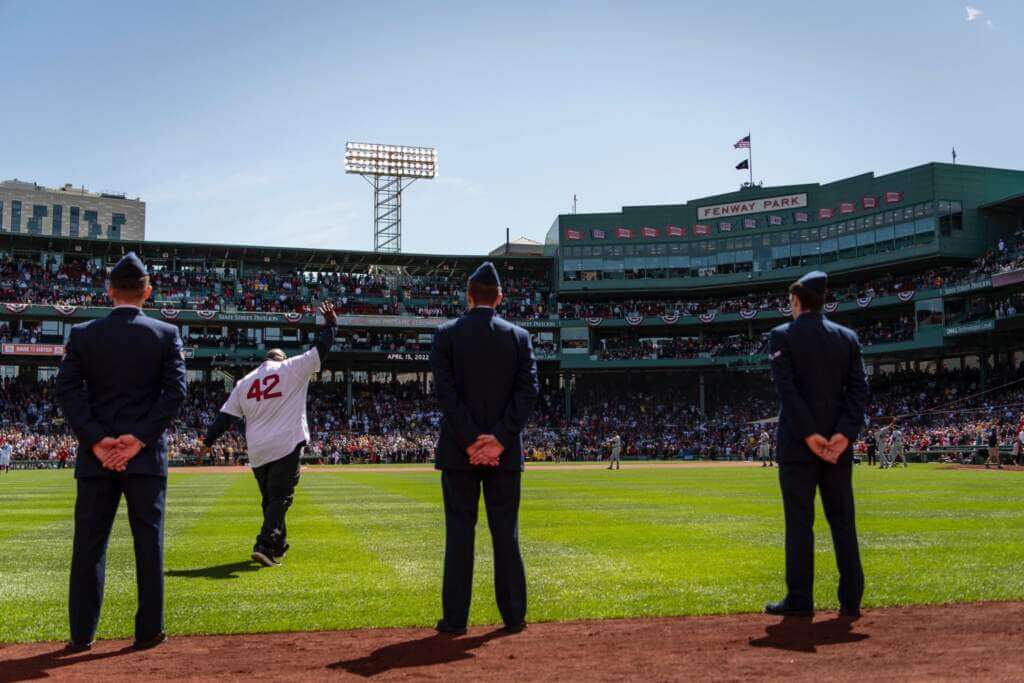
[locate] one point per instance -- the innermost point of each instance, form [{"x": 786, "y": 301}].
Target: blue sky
[{"x": 230, "y": 118}]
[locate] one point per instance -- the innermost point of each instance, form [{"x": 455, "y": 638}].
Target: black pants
[
  {"x": 461, "y": 489},
  {"x": 277, "y": 481},
  {"x": 95, "y": 509},
  {"x": 872, "y": 456},
  {"x": 799, "y": 482}
]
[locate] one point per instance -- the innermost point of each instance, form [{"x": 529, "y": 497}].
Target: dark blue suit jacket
[
  {"x": 818, "y": 372},
  {"x": 123, "y": 374},
  {"x": 485, "y": 378}
]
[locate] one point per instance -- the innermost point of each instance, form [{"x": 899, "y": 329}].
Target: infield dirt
[{"x": 981, "y": 641}]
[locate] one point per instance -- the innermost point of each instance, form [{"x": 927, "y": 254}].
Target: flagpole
[{"x": 750, "y": 158}]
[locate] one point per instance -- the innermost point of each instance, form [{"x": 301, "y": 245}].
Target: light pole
[{"x": 389, "y": 169}]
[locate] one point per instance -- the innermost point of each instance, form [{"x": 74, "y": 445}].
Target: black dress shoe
[
  {"x": 75, "y": 648},
  {"x": 851, "y": 613},
  {"x": 514, "y": 628},
  {"x": 444, "y": 627},
  {"x": 784, "y": 609},
  {"x": 151, "y": 643},
  {"x": 264, "y": 557}
]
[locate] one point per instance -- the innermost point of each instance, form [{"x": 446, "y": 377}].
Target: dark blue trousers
[
  {"x": 800, "y": 481},
  {"x": 95, "y": 509},
  {"x": 461, "y": 489}
]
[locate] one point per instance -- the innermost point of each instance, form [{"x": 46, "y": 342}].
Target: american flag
[{"x": 743, "y": 143}]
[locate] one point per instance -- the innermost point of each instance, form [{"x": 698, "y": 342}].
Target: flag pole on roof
[{"x": 744, "y": 143}]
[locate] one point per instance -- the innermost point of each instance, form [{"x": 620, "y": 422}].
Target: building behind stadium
[{"x": 68, "y": 211}]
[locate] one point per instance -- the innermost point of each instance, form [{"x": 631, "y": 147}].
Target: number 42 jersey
[{"x": 272, "y": 400}]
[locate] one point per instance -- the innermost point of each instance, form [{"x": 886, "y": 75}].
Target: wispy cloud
[{"x": 975, "y": 14}]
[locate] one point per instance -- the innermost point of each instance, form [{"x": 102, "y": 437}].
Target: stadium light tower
[{"x": 389, "y": 169}]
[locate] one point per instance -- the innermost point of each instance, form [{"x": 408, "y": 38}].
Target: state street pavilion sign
[{"x": 780, "y": 203}]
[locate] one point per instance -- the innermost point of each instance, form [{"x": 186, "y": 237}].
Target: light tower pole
[{"x": 389, "y": 169}]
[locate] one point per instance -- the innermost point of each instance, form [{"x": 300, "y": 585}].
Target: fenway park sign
[{"x": 782, "y": 202}]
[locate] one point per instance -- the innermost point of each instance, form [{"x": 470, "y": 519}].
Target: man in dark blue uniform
[
  {"x": 121, "y": 383},
  {"x": 485, "y": 378},
  {"x": 818, "y": 372}
]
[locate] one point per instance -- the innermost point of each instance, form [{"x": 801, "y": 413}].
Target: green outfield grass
[{"x": 367, "y": 547}]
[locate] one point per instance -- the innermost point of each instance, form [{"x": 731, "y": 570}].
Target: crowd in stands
[
  {"x": 656, "y": 423},
  {"x": 74, "y": 282},
  {"x": 80, "y": 282},
  {"x": 707, "y": 346},
  {"x": 888, "y": 331},
  {"x": 1005, "y": 257},
  {"x": 1009, "y": 306},
  {"x": 398, "y": 422},
  {"x": 629, "y": 346},
  {"x": 949, "y": 409}
]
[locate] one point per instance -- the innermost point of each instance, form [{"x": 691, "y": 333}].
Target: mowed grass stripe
[
  {"x": 36, "y": 564},
  {"x": 554, "y": 592},
  {"x": 327, "y": 580},
  {"x": 368, "y": 548},
  {"x": 934, "y": 535},
  {"x": 28, "y": 502}
]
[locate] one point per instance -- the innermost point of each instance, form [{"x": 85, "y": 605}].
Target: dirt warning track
[{"x": 973, "y": 641}]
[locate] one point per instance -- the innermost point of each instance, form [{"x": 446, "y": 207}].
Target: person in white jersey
[
  {"x": 764, "y": 449},
  {"x": 6, "y": 449},
  {"x": 272, "y": 401},
  {"x": 615, "y": 458}
]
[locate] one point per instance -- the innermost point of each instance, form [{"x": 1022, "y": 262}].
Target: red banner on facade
[
  {"x": 893, "y": 197},
  {"x": 624, "y": 233},
  {"x": 33, "y": 349},
  {"x": 701, "y": 229},
  {"x": 826, "y": 213},
  {"x": 676, "y": 231},
  {"x": 846, "y": 207},
  {"x": 649, "y": 232},
  {"x": 869, "y": 202},
  {"x": 573, "y": 234}
]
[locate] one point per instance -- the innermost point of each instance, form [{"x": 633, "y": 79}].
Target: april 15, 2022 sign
[{"x": 789, "y": 201}]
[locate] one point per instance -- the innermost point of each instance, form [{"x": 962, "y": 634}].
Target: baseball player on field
[
  {"x": 272, "y": 401},
  {"x": 613, "y": 459},
  {"x": 884, "y": 450},
  {"x": 5, "y": 456},
  {"x": 897, "y": 447},
  {"x": 764, "y": 449},
  {"x": 1018, "y": 446}
]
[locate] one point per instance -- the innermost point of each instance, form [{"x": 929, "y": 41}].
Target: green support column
[
  {"x": 568, "y": 380},
  {"x": 702, "y": 394},
  {"x": 348, "y": 393}
]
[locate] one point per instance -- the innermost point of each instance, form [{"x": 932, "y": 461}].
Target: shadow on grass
[
  {"x": 800, "y": 634},
  {"x": 40, "y": 666},
  {"x": 439, "y": 648},
  {"x": 229, "y": 570}
]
